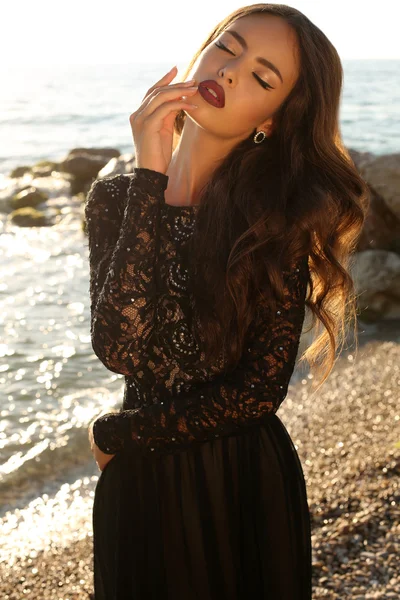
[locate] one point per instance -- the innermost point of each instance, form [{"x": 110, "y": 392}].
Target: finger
[
  {"x": 166, "y": 108},
  {"x": 167, "y": 77},
  {"x": 160, "y": 97},
  {"x": 160, "y": 112},
  {"x": 179, "y": 85}
]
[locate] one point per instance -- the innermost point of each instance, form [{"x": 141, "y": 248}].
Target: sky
[{"x": 153, "y": 31}]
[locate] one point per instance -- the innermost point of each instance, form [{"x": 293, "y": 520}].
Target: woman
[{"x": 243, "y": 209}]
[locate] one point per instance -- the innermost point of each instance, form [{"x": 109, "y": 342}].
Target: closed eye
[{"x": 264, "y": 84}]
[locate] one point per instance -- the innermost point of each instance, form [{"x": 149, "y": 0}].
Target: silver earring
[{"x": 257, "y": 140}]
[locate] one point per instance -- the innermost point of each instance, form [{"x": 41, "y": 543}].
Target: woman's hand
[
  {"x": 153, "y": 122},
  {"x": 100, "y": 457}
]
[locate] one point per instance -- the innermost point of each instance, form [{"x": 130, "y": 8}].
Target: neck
[{"x": 193, "y": 161}]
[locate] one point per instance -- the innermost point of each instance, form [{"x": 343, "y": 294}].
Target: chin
[{"x": 189, "y": 114}]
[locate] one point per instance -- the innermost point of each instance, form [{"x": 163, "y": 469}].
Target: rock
[
  {"x": 106, "y": 152},
  {"x": 118, "y": 165},
  {"x": 381, "y": 228},
  {"x": 19, "y": 171},
  {"x": 383, "y": 174},
  {"x": 44, "y": 168},
  {"x": 29, "y": 196},
  {"x": 361, "y": 159},
  {"x": 376, "y": 275},
  {"x": 84, "y": 165},
  {"x": 28, "y": 217}
]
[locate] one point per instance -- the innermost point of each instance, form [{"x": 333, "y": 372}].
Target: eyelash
[{"x": 263, "y": 83}]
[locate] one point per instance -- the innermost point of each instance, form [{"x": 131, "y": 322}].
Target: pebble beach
[{"x": 348, "y": 440}]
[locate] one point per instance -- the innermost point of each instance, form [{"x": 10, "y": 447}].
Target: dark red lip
[{"x": 213, "y": 85}]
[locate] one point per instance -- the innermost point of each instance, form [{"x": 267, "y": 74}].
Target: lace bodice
[{"x": 141, "y": 326}]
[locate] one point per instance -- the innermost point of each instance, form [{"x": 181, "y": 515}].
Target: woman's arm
[
  {"x": 103, "y": 216},
  {"x": 123, "y": 266}
]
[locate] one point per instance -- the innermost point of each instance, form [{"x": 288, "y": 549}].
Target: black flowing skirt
[{"x": 227, "y": 519}]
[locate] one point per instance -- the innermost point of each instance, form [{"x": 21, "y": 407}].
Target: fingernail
[{"x": 174, "y": 67}]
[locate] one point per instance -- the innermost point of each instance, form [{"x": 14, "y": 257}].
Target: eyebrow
[{"x": 262, "y": 61}]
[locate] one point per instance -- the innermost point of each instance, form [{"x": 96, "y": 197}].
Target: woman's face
[{"x": 248, "y": 105}]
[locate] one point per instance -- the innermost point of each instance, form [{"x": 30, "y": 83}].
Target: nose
[{"x": 227, "y": 74}]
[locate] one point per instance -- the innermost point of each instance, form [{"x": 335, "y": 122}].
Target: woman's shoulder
[
  {"x": 150, "y": 181},
  {"x": 106, "y": 197},
  {"x": 118, "y": 181}
]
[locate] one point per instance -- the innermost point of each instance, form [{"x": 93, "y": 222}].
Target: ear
[{"x": 267, "y": 127}]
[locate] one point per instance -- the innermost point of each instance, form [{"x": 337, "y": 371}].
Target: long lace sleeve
[
  {"x": 104, "y": 209},
  {"x": 123, "y": 252},
  {"x": 244, "y": 398}
]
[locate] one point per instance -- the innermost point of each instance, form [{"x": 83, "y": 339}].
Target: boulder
[
  {"x": 30, "y": 196},
  {"x": 19, "y": 171},
  {"x": 361, "y": 159},
  {"x": 381, "y": 228},
  {"x": 118, "y": 165},
  {"x": 84, "y": 164},
  {"x": 376, "y": 275},
  {"x": 383, "y": 174},
  {"x": 28, "y": 217},
  {"x": 103, "y": 151},
  {"x": 44, "y": 168}
]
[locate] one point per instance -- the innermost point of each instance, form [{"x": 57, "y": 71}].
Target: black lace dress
[{"x": 205, "y": 497}]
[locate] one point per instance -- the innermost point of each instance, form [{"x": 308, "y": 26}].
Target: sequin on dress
[{"x": 205, "y": 497}]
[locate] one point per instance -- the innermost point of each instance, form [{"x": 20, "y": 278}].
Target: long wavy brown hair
[{"x": 311, "y": 201}]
